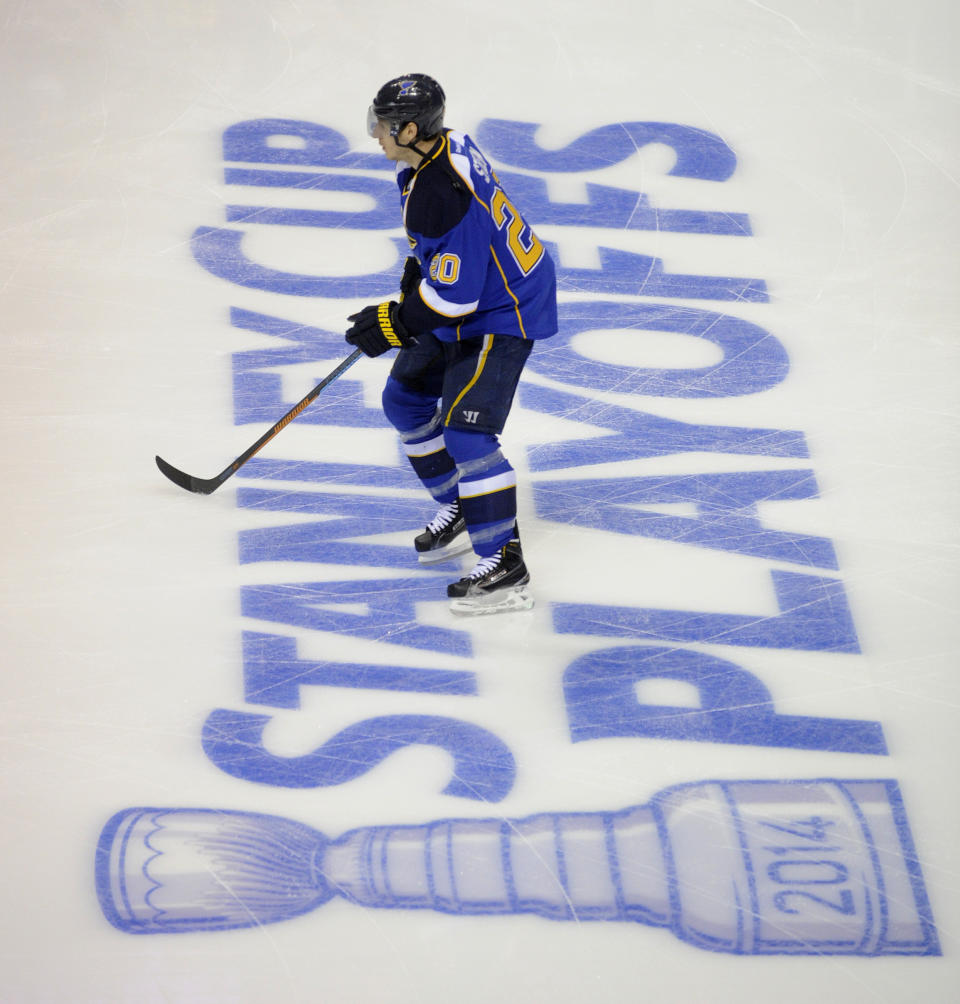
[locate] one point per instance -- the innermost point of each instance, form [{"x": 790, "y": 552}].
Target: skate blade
[
  {"x": 445, "y": 553},
  {"x": 506, "y": 601}
]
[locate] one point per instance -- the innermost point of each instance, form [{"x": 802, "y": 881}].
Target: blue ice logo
[{"x": 748, "y": 867}]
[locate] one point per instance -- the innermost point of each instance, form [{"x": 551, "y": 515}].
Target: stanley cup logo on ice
[{"x": 748, "y": 867}]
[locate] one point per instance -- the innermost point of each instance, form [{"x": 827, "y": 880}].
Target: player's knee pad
[
  {"x": 405, "y": 408},
  {"x": 467, "y": 447}
]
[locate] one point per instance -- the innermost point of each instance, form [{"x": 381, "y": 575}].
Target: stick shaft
[
  {"x": 290, "y": 415},
  {"x": 204, "y": 486}
]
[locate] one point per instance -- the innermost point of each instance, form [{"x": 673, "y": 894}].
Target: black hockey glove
[
  {"x": 377, "y": 328},
  {"x": 411, "y": 277}
]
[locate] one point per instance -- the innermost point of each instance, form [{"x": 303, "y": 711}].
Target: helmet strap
[{"x": 413, "y": 144}]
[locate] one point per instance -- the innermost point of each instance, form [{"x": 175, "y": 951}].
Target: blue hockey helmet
[{"x": 414, "y": 97}]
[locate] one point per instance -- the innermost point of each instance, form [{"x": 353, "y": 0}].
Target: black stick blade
[{"x": 201, "y": 486}]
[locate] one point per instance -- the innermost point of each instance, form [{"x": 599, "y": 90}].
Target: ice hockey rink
[{"x": 248, "y": 753}]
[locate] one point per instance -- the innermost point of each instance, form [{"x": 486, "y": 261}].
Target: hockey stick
[{"x": 205, "y": 486}]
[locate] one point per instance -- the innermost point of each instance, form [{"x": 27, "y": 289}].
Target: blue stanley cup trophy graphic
[{"x": 748, "y": 867}]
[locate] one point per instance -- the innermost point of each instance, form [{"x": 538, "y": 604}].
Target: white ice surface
[{"x": 121, "y": 593}]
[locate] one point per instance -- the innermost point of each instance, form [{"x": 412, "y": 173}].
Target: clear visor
[{"x": 371, "y": 121}]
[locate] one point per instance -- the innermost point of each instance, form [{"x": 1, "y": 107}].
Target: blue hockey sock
[
  {"x": 431, "y": 462},
  {"x": 416, "y": 417},
  {"x": 487, "y": 488}
]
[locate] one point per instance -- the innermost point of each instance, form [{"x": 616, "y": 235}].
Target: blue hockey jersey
[{"x": 484, "y": 270}]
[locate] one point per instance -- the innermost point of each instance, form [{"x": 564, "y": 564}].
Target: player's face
[
  {"x": 379, "y": 129},
  {"x": 381, "y": 133}
]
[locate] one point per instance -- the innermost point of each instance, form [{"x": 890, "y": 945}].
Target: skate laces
[
  {"x": 445, "y": 517},
  {"x": 485, "y": 565}
]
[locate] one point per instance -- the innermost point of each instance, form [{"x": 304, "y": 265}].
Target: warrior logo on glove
[{"x": 377, "y": 328}]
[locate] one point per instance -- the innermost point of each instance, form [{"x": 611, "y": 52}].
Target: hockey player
[{"x": 477, "y": 290}]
